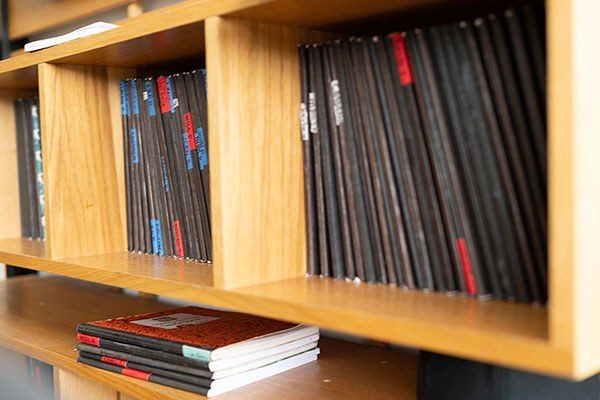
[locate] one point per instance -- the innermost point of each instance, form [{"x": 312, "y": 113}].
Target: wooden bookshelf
[
  {"x": 249, "y": 50},
  {"x": 431, "y": 321},
  {"x": 39, "y": 316}
]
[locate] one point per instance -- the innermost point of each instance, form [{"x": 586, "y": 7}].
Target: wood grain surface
[{"x": 38, "y": 317}]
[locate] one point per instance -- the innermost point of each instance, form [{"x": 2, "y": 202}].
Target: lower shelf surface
[{"x": 38, "y": 317}]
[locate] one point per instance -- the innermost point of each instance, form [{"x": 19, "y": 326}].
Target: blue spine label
[
  {"x": 195, "y": 353},
  {"x": 202, "y": 153},
  {"x": 164, "y": 173},
  {"x": 124, "y": 102},
  {"x": 134, "y": 98},
  {"x": 171, "y": 99},
  {"x": 157, "y": 243},
  {"x": 151, "y": 108},
  {"x": 154, "y": 236},
  {"x": 159, "y": 239},
  {"x": 134, "y": 146},
  {"x": 188, "y": 154}
]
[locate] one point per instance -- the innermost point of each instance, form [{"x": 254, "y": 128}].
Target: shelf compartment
[
  {"x": 510, "y": 334},
  {"x": 174, "y": 28},
  {"x": 39, "y": 316},
  {"x": 10, "y": 221},
  {"x": 165, "y": 276}
]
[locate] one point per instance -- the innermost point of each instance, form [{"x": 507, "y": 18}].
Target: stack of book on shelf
[
  {"x": 166, "y": 165},
  {"x": 425, "y": 157},
  {"x": 195, "y": 349},
  {"x": 31, "y": 175}
]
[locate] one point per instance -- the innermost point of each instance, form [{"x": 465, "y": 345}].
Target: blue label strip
[
  {"x": 202, "y": 153},
  {"x": 161, "y": 249},
  {"x": 195, "y": 353},
  {"x": 124, "y": 102},
  {"x": 154, "y": 232},
  {"x": 134, "y": 146},
  {"x": 151, "y": 108},
  {"x": 134, "y": 97},
  {"x": 188, "y": 154},
  {"x": 157, "y": 242}
]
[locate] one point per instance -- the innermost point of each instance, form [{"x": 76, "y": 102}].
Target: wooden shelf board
[
  {"x": 160, "y": 275},
  {"x": 39, "y": 316},
  {"x": 510, "y": 334},
  {"x": 176, "y": 30},
  {"x": 357, "y": 16}
]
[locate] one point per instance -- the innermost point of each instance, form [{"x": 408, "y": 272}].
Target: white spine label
[
  {"x": 312, "y": 112},
  {"x": 304, "y": 121},
  {"x": 338, "y": 112}
]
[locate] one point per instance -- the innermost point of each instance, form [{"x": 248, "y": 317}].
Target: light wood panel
[
  {"x": 38, "y": 317},
  {"x": 70, "y": 386},
  {"x": 327, "y": 14},
  {"x": 586, "y": 185},
  {"x": 33, "y": 16},
  {"x": 255, "y": 151},
  {"x": 176, "y": 30},
  {"x": 574, "y": 93},
  {"x": 10, "y": 221},
  {"x": 147, "y": 273},
  {"x": 510, "y": 334},
  {"x": 561, "y": 173},
  {"x": 135, "y": 9},
  {"x": 84, "y": 202}
]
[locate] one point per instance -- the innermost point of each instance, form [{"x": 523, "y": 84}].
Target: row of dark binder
[
  {"x": 425, "y": 157},
  {"x": 166, "y": 165},
  {"x": 30, "y": 167}
]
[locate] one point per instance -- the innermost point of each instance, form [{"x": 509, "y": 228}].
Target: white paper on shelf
[
  {"x": 88, "y": 30},
  {"x": 225, "y": 385}
]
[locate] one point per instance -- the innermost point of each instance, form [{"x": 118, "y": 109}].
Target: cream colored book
[{"x": 88, "y": 30}]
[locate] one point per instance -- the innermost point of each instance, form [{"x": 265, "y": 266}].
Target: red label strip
[
  {"x": 178, "y": 239},
  {"x": 114, "y": 361},
  {"x": 406, "y": 76},
  {"x": 87, "y": 339},
  {"x": 163, "y": 95},
  {"x": 466, "y": 264},
  {"x": 189, "y": 128},
  {"x": 135, "y": 373}
]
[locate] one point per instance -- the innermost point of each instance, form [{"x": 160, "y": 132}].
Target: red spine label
[
  {"x": 466, "y": 264},
  {"x": 189, "y": 128},
  {"x": 178, "y": 239},
  {"x": 87, "y": 339},
  {"x": 134, "y": 373},
  {"x": 406, "y": 76},
  {"x": 163, "y": 95},
  {"x": 114, "y": 361}
]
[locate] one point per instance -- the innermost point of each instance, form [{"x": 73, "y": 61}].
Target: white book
[
  {"x": 88, "y": 30},
  {"x": 228, "y": 363},
  {"x": 264, "y": 361},
  {"x": 236, "y": 381},
  {"x": 263, "y": 342}
]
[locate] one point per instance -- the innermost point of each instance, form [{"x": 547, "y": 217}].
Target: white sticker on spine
[
  {"x": 312, "y": 112},
  {"x": 338, "y": 112},
  {"x": 304, "y": 121}
]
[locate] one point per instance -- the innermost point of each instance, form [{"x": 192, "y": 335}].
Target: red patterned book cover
[{"x": 197, "y": 332}]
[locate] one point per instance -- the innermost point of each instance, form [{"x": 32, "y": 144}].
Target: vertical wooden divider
[
  {"x": 83, "y": 159},
  {"x": 255, "y": 151},
  {"x": 70, "y": 386},
  {"x": 10, "y": 220}
]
